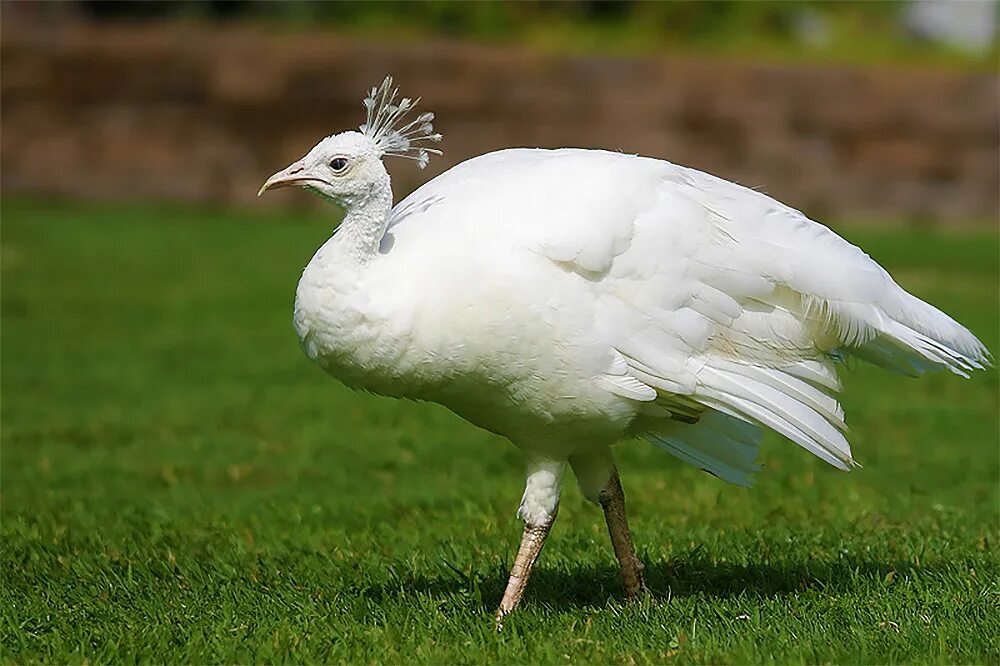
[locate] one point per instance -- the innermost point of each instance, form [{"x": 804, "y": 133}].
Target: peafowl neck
[{"x": 365, "y": 220}]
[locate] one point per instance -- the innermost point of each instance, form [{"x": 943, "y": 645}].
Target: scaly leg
[
  {"x": 612, "y": 499},
  {"x": 531, "y": 546},
  {"x": 539, "y": 507}
]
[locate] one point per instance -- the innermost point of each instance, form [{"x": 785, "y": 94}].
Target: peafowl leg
[
  {"x": 598, "y": 478},
  {"x": 612, "y": 500},
  {"x": 539, "y": 507},
  {"x": 531, "y": 546}
]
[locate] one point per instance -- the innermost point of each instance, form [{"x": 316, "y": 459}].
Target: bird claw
[{"x": 498, "y": 619}]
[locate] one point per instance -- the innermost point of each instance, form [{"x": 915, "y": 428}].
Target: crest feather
[{"x": 384, "y": 125}]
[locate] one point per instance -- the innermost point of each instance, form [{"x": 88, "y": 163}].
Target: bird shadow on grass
[{"x": 594, "y": 586}]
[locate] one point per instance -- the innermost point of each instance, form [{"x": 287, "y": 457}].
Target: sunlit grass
[{"x": 180, "y": 484}]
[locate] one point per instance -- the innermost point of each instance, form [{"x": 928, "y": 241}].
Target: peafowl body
[{"x": 567, "y": 299}]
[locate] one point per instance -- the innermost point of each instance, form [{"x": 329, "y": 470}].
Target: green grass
[{"x": 180, "y": 484}]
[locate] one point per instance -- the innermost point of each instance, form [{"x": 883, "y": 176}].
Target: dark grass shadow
[{"x": 595, "y": 586}]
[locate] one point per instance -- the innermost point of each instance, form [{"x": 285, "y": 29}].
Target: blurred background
[{"x": 883, "y": 110}]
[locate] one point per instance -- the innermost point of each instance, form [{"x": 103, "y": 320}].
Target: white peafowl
[{"x": 567, "y": 299}]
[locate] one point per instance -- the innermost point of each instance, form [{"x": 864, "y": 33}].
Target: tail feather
[
  {"x": 719, "y": 444},
  {"x": 796, "y": 397},
  {"x": 741, "y": 398},
  {"x": 822, "y": 403},
  {"x": 736, "y": 391},
  {"x": 914, "y": 337},
  {"x": 821, "y": 374}
]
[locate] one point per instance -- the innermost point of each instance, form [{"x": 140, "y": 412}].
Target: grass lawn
[{"x": 180, "y": 484}]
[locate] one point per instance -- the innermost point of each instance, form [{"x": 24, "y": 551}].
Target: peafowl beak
[{"x": 294, "y": 174}]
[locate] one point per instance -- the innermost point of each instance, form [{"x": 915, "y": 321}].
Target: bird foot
[
  {"x": 498, "y": 620},
  {"x": 637, "y": 594}
]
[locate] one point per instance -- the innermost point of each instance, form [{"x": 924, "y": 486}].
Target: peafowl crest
[{"x": 384, "y": 125}]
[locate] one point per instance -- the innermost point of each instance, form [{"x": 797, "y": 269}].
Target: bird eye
[{"x": 338, "y": 163}]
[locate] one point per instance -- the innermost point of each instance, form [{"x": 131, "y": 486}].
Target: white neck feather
[
  {"x": 334, "y": 311},
  {"x": 365, "y": 221}
]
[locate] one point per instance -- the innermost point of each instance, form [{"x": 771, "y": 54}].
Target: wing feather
[
  {"x": 711, "y": 302},
  {"x": 743, "y": 305}
]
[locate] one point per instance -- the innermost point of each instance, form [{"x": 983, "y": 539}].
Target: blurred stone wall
[{"x": 187, "y": 113}]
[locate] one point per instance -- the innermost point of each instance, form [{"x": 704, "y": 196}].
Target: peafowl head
[{"x": 347, "y": 167}]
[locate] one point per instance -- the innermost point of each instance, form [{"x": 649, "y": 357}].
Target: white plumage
[
  {"x": 536, "y": 290},
  {"x": 570, "y": 298}
]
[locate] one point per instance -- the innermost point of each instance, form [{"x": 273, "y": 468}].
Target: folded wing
[{"x": 722, "y": 301}]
